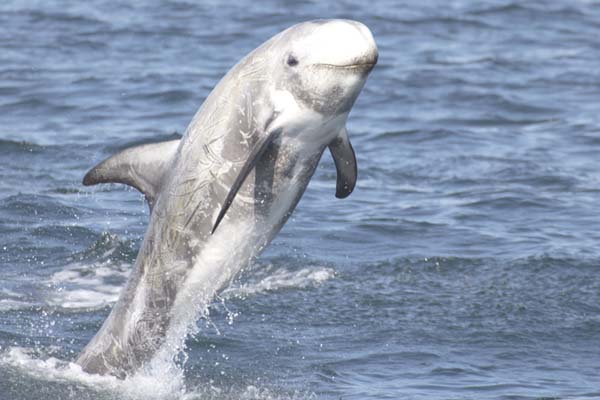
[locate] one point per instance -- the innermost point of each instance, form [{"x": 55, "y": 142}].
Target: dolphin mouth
[{"x": 360, "y": 65}]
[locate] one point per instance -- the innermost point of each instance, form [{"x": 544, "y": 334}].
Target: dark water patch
[
  {"x": 66, "y": 191},
  {"x": 61, "y": 18},
  {"x": 450, "y": 372},
  {"x": 492, "y": 120},
  {"x": 502, "y": 201},
  {"x": 164, "y": 97},
  {"x": 35, "y": 104},
  {"x": 400, "y": 134},
  {"x": 79, "y": 43},
  {"x": 37, "y": 207},
  {"x": 166, "y": 116},
  {"x": 107, "y": 246},
  {"x": 90, "y": 80},
  {"x": 64, "y": 233},
  {"x": 446, "y": 23},
  {"x": 431, "y": 135},
  {"x": 512, "y": 106},
  {"x": 9, "y": 90},
  {"x": 25, "y": 75},
  {"x": 394, "y": 227},
  {"x": 450, "y": 60},
  {"x": 12, "y": 146}
]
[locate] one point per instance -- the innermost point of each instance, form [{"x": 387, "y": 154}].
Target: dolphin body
[{"x": 220, "y": 194}]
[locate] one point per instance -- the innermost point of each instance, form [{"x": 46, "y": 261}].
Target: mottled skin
[{"x": 289, "y": 87}]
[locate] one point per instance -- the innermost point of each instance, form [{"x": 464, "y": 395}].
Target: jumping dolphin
[{"x": 220, "y": 194}]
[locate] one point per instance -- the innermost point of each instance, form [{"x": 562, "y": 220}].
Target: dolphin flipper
[
  {"x": 345, "y": 163},
  {"x": 258, "y": 150},
  {"x": 141, "y": 167}
]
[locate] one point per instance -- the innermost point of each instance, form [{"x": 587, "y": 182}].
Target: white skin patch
[
  {"x": 283, "y": 100},
  {"x": 339, "y": 43}
]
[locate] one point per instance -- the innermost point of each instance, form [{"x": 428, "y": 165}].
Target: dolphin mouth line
[{"x": 364, "y": 65}]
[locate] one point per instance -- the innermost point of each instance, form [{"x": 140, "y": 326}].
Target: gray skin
[{"x": 220, "y": 194}]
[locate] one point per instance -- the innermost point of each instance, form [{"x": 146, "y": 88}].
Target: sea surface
[{"x": 466, "y": 264}]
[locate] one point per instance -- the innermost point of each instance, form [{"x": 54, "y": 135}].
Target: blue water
[{"x": 465, "y": 265}]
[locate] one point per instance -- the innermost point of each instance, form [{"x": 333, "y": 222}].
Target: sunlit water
[{"x": 464, "y": 266}]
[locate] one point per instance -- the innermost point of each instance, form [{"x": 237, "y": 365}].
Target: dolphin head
[{"x": 324, "y": 64}]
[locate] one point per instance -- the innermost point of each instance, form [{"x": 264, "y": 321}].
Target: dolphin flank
[{"x": 220, "y": 194}]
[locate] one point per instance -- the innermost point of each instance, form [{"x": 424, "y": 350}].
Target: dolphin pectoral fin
[
  {"x": 345, "y": 163},
  {"x": 253, "y": 157},
  {"x": 141, "y": 167}
]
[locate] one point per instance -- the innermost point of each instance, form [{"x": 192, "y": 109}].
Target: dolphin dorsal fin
[
  {"x": 142, "y": 167},
  {"x": 345, "y": 163}
]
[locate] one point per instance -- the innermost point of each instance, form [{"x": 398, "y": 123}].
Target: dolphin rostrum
[{"x": 220, "y": 194}]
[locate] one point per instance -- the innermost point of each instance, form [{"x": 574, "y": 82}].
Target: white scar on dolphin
[{"x": 220, "y": 194}]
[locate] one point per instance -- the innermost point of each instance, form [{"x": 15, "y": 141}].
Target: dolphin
[{"x": 221, "y": 193}]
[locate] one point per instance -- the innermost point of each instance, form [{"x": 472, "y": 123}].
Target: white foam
[
  {"x": 283, "y": 279},
  {"x": 10, "y": 300},
  {"x": 10, "y": 304},
  {"x": 80, "y": 285}
]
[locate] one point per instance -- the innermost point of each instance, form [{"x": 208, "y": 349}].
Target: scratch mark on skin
[
  {"x": 212, "y": 155},
  {"x": 257, "y": 78},
  {"x": 193, "y": 214},
  {"x": 202, "y": 184},
  {"x": 170, "y": 268},
  {"x": 209, "y": 128},
  {"x": 200, "y": 202},
  {"x": 192, "y": 180},
  {"x": 245, "y": 136},
  {"x": 215, "y": 139},
  {"x": 250, "y": 72},
  {"x": 255, "y": 66}
]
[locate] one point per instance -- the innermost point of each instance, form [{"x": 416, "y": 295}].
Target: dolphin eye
[{"x": 292, "y": 61}]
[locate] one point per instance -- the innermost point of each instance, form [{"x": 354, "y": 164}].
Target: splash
[
  {"x": 68, "y": 380},
  {"x": 25, "y": 362}
]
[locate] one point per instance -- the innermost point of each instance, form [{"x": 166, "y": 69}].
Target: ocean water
[{"x": 465, "y": 265}]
